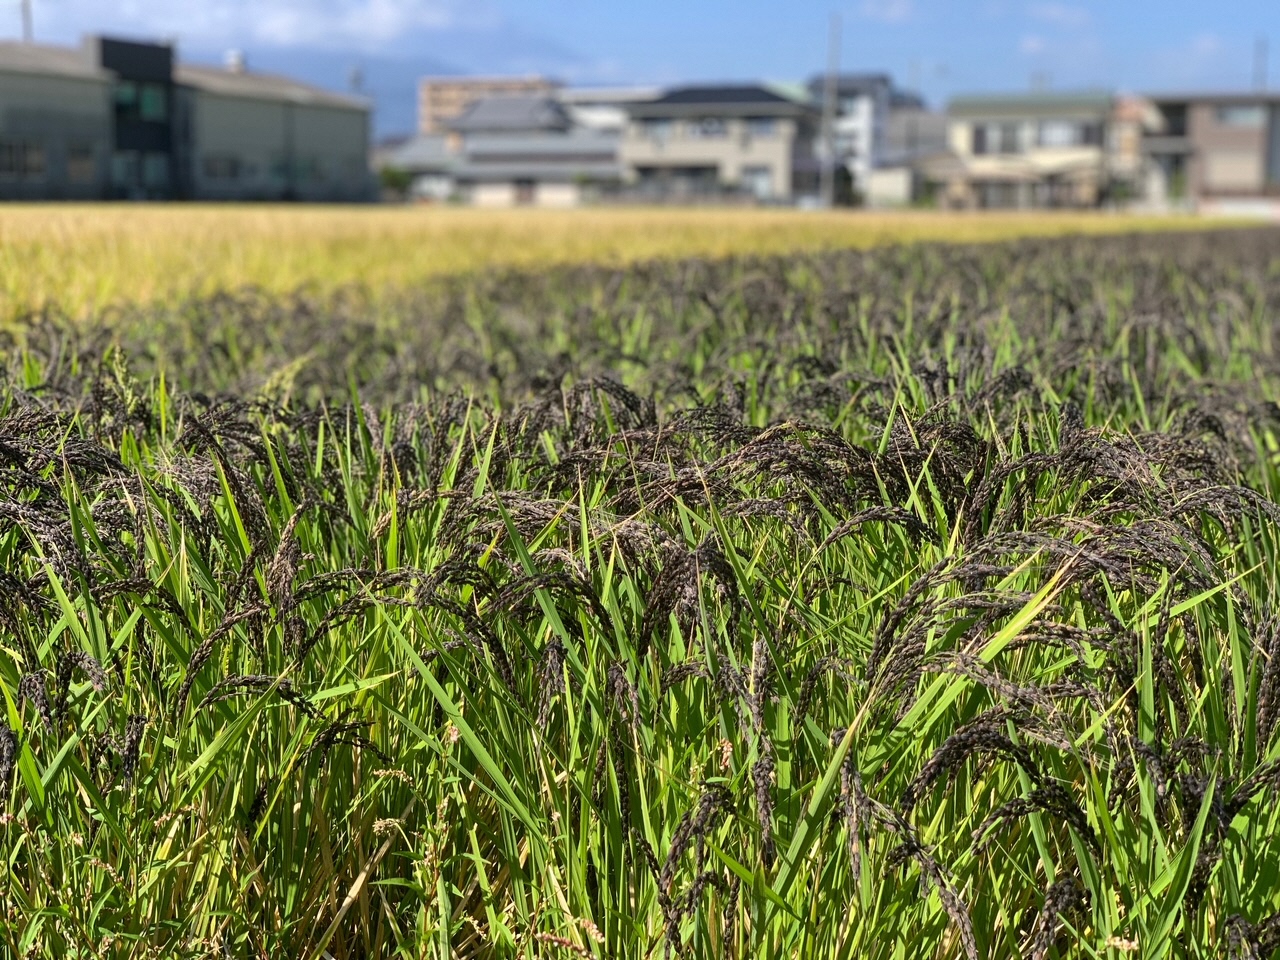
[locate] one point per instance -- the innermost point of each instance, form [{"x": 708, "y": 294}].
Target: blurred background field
[{"x": 78, "y": 258}]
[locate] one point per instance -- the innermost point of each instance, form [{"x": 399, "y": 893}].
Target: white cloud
[
  {"x": 1060, "y": 14},
  {"x": 1031, "y": 44},
  {"x": 324, "y": 24},
  {"x": 887, "y": 11}
]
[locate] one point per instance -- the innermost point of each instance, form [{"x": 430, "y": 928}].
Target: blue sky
[{"x": 946, "y": 46}]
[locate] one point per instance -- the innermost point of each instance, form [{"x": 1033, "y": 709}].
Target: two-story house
[
  {"x": 1038, "y": 149},
  {"x": 704, "y": 142},
  {"x": 509, "y": 151},
  {"x": 1217, "y": 152}
]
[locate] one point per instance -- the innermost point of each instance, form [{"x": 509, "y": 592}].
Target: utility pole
[
  {"x": 1260, "y": 64},
  {"x": 28, "y": 32},
  {"x": 828, "y": 182}
]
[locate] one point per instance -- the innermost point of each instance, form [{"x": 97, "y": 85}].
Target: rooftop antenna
[
  {"x": 355, "y": 79},
  {"x": 1260, "y": 63},
  {"x": 28, "y": 32},
  {"x": 828, "y": 184}
]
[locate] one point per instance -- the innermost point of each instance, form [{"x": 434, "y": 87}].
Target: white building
[{"x": 861, "y": 117}]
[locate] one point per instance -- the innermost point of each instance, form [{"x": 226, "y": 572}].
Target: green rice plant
[{"x": 919, "y": 602}]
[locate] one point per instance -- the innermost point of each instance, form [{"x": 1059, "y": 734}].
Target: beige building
[
  {"x": 444, "y": 99},
  {"x": 1030, "y": 150},
  {"x": 701, "y": 143},
  {"x": 1217, "y": 152}
]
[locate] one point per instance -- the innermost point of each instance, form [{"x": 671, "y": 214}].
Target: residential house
[
  {"x": 511, "y": 151},
  {"x": 119, "y": 119},
  {"x": 705, "y": 142},
  {"x": 1215, "y": 152},
  {"x": 1040, "y": 149},
  {"x": 442, "y": 100}
]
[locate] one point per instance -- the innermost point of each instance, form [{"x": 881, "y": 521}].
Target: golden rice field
[{"x": 83, "y": 257}]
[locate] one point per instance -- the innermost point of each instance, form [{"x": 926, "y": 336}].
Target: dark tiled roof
[
  {"x": 512, "y": 114},
  {"x": 1216, "y": 96},
  {"x": 850, "y": 84},
  {"x": 737, "y": 94}
]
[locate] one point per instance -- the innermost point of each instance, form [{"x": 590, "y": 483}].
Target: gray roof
[
  {"x": 1038, "y": 104},
  {"x": 421, "y": 154},
  {"x": 1233, "y": 97},
  {"x": 55, "y": 61},
  {"x": 556, "y": 157},
  {"x": 736, "y": 100},
  {"x": 589, "y": 154},
  {"x": 851, "y": 84},
  {"x": 262, "y": 86},
  {"x": 613, "y": 96},
  {"x": 512, "y": 114}
]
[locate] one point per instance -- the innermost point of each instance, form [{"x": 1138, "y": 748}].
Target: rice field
[
  {"x": 916, "y": 601},
  {"x": 131, "y": 253}
]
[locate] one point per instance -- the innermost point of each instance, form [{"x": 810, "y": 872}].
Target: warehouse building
[{"x": 119, "y": 119}]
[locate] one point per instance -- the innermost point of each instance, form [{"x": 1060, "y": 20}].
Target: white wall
[
  {"x": 494, "y": 195},
  {"x": 557, "y": 195}
]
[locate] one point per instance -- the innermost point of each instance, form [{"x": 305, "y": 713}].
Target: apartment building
[
  {"x": 1029, "y": 150},
  {"x": 1217, "y": 152},
  {"x": 860, "y": 123},
  {"x": 442, "y": 100},
  {"x": 120, "y": 119},
  {"x": 700, "y": 143}
]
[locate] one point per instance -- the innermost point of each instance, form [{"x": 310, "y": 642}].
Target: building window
[
  {"x": 758, "y": 181},
  {"x": 708, "y": 127},
  {"x": 33, "y": 161},
  {"x": 10, "y": 159},
  {"x": 1060, "y": 133},
  {"x": 1240, "y": 115},
  {"x": 1066, "y": 133},
  {"x": 155, "y": 171},
  {"x": 220, "y": 166},
  {"x": 21, "y": 160},
  {"x": 656, "y": 128},
  {"x": 761, "y": 126},
  {"x": 153, "y": 103},
  {"x": 996, "y": 138},
  {"x": 124, "y": 169},
  {"x": 126, "y": 95},
  {"x": 81, "y": 163},
  {"x": 997, "y": 195}
]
